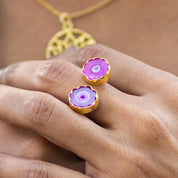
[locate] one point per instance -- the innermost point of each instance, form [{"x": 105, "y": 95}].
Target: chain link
[{"x": 78, "y": 13}]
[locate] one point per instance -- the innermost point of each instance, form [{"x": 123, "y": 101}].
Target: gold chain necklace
[{"x": 70, "y": 37}]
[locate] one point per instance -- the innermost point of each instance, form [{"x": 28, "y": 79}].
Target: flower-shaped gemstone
[
  {"x": 96, "y": 71},
  {"x": 83, "y": 99}
]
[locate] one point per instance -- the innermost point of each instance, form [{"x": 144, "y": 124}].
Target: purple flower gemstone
[
  {"x": 83, "y": 96},
  {"x": 96, "y": 68}
]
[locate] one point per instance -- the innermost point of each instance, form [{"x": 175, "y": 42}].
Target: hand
[{"x": 134, "y": 131}]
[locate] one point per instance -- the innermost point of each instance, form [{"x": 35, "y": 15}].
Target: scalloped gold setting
[
  {"x": 84, "y": 110},
  {"x": 99, "y": 81}
]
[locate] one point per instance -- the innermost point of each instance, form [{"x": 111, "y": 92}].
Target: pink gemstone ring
[
  {"x": 96, "y": 71},
  {"x": 83, "y": 99}
]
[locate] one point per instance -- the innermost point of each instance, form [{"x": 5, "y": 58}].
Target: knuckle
[
  {"x": 169, "y": 92},
  {"x": 154, "y": 129},
  {"x": 32, "y": 148},
  {"x": 39, "y": 109},
  {"x": 9, "y": 72},
  {"x": 52, "y": 72},
  {"x": 95, "y": 50},
  {"x": 109, "y": 141},
  {"x": 142, "y": 164},
  {"x": 36, "y": 170}
]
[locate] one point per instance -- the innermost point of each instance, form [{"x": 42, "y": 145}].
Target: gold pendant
[{"x": 68, "y": 38}]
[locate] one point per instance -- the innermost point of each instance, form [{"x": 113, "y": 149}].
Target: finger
[
  {"x": 26, "y": 143},
  {"x": 57, "y": 77},
  {"x": 29, "y": 144},
  {"x": 127, "y": 74},
  {"x": 1, "y": 72},
  {"x": 14, "y": 167},
  {"x": 54, "y": 120}
]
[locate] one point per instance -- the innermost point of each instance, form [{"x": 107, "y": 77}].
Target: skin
[
  {"x": 146, "y": 30},
  {"x": 159, "y": 49},
  {"x": 136, "y": 136},
  {"x": 18, "y": 167}
]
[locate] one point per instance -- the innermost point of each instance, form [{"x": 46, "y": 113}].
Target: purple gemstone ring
[
  {"x": 83, "y": 99},
  {"x": 96, "y": 71}
]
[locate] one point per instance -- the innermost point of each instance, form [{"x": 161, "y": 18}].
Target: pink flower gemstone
[
  {"x": 83, "y": 96},
  {"x": 96, "y": 68}
]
